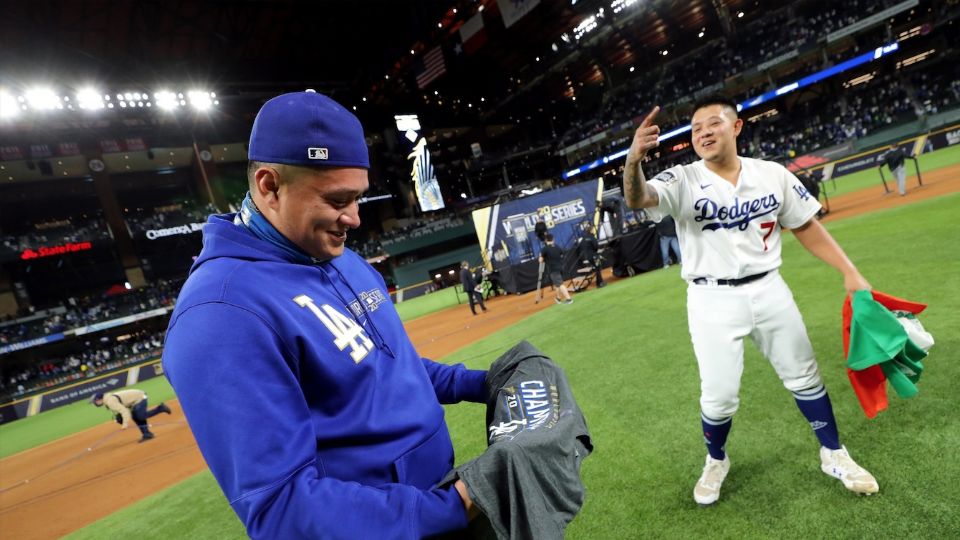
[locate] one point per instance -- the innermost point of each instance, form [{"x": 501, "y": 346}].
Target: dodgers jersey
[{"x": 727, "y": 231}]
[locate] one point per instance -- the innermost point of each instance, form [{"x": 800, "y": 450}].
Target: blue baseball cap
[{"x": 310, "y": 129}]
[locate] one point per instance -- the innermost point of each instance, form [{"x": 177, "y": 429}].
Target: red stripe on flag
[
  {"x": 472, "y": 33},
  {"x": 433, "y": 67}
]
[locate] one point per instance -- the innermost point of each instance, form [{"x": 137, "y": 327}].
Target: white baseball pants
[{"x": 720, "y": 316}]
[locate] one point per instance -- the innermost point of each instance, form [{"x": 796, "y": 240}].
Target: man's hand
[
  {"x": 472, "y": 510},
  {"x": 644, "y": 139}
]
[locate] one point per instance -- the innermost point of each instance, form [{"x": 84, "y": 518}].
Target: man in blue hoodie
[{"x": 311, "y": 406}]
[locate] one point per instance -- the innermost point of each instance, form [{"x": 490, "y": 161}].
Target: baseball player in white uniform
[{"x": 730, "y": 212}]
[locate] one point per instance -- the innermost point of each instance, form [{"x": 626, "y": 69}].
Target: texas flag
[{"x": 472, "y": 33}]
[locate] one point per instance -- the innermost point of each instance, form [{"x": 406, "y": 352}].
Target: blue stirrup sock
[
  {"x": 815, "y": 405},
  {"x": 715, "y": 433}
]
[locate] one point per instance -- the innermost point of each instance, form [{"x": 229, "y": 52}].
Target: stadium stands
[
  {"x": 88, "y": 310},
  {"x": 97, "y": 360},
  {"x": 53, "y": 232}
]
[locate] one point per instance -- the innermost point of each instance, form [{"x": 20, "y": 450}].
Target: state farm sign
[{"x": 45, "y": 251}]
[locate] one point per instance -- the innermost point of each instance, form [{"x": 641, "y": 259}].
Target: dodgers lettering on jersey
[
  {"x": 738, "y": 215},
  {"x": 728, "y": 231}
]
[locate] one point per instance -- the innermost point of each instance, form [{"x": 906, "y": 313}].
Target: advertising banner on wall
[
  {"x": 178, "y": 230},
  {"x": 943, "y": 139},
  {"x": 35, "y": 342},
  {"x": 506, "y": 231},
  {"x": 835, "y": 161}
]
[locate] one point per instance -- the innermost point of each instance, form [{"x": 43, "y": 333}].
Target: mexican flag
[{"x": 883, "y": 342}]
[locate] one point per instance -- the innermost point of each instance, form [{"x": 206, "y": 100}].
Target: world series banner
[{"x": 506, "y": 231}]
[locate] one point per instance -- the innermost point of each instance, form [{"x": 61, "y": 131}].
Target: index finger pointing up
[{"x": 648, "y": 121}]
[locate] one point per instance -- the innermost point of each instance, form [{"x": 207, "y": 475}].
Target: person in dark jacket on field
[
  {"x": 470, "y": 287},
  {"x": 588, "y": 251},
  {"x": 895, "y": 159},
  {"x": 552, "y": 258}
]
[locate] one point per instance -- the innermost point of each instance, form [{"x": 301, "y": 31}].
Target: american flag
[{"x": 432, "y": 67}]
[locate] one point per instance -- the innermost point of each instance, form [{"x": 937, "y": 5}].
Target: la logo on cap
[{"x": 318, "y": 153}]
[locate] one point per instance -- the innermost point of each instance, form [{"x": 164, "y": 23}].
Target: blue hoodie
[{"x": 309, "y": 403}]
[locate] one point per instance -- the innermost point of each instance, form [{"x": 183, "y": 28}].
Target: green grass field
[
  {"x": 626, "y": 351},
  {"x": 870, "y": 178},
  {"x": 428, "y": 303}
]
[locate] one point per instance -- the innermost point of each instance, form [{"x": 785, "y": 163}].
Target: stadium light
[
  {"x": 43, "y": 99},
  {"x": 88, "y": 98},
  {"x": 200, "y": 100},
  {"x": 587, "y": 25},
  {"x": 8, "y": 105}
]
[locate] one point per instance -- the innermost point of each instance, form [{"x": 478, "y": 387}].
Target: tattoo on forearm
[{"x": 634, "y": 183}]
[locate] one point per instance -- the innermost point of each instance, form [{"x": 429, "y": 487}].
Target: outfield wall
[
  {"x": 823, "y": 168},
  {"x": 78, "y": 391}
]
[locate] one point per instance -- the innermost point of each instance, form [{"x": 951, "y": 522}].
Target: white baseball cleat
[
  {"x": 839, "y": 464},
  {"x": 707, "y": 490}
]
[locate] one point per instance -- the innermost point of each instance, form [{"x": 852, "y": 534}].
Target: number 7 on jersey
[{"x": 769, "y": 226}]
